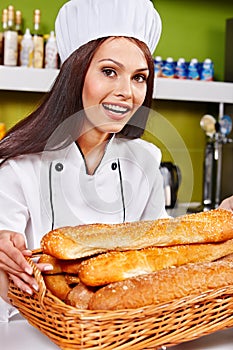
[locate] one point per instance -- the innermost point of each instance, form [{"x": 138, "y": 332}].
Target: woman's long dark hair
[{"x": 31, "y": 134}]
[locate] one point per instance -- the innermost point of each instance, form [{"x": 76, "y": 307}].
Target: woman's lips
[{"x": 115, "y": 111}]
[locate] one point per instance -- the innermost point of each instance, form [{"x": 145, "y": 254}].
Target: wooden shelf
[{"x": 41, "y": 80}]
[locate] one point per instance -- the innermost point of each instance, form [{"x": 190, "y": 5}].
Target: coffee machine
[{"x": 217, "y": 132}]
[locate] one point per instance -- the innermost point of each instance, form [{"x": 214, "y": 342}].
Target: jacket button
[
  {"x": 59, "y": 167},
  {"x": 114, "y": 166}
]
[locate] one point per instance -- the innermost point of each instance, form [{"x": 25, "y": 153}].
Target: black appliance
[{"x": 171, "y": 180}]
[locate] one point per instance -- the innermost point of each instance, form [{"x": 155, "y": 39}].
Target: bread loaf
[
  {"x": 59, "y": 266},
  {"x": 57, "y": 285},
  {"x": 72, "y": 280},
  {"x": 48, "y": 259},
  {"x": 70, "y": 266},
  {"x": 163, "y": 286},
  {"x": 79, "y": 296},
  {"x": 117, "y": 266},
  {"x": 86, "y": 240}
]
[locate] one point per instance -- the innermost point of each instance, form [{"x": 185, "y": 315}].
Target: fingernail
[
  {"x": 27, "y": 252},
  {"x": 29, "y": 270},
  {"x": 48, "y": 268},
  {"x": 28, "y": 290},
  {"x": 35, "y": 287}
]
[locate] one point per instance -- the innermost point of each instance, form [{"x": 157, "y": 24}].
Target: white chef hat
[{"x": 80, "y": 21}]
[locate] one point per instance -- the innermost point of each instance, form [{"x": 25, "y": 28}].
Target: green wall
[
  {"x": 191, "y": 28},
  {"x": 49, "y": 10},
  {"x": 194, "y": 28}
]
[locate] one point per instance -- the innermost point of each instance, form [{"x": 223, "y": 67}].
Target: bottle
[
  {"x": 158, "y": 63},
  {"x": 38, "y": 42},
  {"x": 18, "y": 27},
  {"x": 207, "y": 70},
  {"x": 51, "y": 53},
  {"x": 10, "y": 40},
  {"x": 168, "y": 69},
  {"x": 26, "y": 50},
  {"x": 181, "y": 69},
  {"x": 18, "y": 22},
  {"x": 193, "y": 70},
  {"x": 2, "y": 31}
]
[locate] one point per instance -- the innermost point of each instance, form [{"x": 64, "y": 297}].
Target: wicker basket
[{"x": 146, "y": 328}]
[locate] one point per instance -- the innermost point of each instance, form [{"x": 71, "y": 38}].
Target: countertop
[{"x": 18, "y": 334}]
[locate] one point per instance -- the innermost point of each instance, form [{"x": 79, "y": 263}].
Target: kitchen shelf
[{"x": 40, "y": 80}]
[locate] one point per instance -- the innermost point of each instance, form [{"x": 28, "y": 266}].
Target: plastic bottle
[
  {"x": 158, "y": 64},
  {"x": 207, "y": 70},
  {"x": 193, "y": 69},
  {"x": 168, "y": 69},
  {"x": 51, "y": 53},
  {"x": 181, "y": 69},
  {"x": 26, "y": 51}
]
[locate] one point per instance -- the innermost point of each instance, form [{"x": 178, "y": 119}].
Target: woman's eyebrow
[
  {"x": 121, "y": 65},
  {"x": 111, "y": 60}
]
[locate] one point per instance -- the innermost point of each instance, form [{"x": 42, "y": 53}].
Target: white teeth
[{"x": 115, "y": 108}]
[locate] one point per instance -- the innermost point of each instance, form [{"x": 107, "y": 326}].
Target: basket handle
[{"x": 39, "y": 279}]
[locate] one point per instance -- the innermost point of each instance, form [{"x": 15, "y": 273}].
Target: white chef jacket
[{"x": 43, "y": 191}]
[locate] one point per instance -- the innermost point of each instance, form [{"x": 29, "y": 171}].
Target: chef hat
[{"x": 80, "y": 21}]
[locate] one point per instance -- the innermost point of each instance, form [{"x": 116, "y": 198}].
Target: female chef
[{"x": 79, "y": 158}]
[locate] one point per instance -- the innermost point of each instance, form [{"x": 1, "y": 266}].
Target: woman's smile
[{"x": 116, "y": 111}]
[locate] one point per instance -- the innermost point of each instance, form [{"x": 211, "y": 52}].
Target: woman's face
[{"x": 115, "y": 85}]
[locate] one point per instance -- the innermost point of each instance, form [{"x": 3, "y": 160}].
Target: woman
[{"x": 79, "y": 158}]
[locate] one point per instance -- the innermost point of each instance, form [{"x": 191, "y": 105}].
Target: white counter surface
[{"x": 19, "y": 335}]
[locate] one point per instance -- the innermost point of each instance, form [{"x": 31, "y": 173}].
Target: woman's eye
[
  {"x": 109, "y": 72},
  {"x": 140, "y": 78}
]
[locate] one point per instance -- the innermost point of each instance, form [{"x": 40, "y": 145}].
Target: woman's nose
[{"x": 124, "y": 88}]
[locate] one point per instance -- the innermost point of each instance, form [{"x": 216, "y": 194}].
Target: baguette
[
  {"x": 72, "y": 280},
  {"x": 79, "y": 296},
  {"x": 117, "y": 266},
  {"x": 60, "y": 266},
  {"x": 57, "y": 285},
  {"x": 163, "y": 286},
  {"x": 48, "y": 259},
  {"x": 86, "y": 240}
]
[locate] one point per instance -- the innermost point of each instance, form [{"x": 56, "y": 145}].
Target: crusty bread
[
  {"x": 72, "y": 280},
  {"x": 59, "y": 266},
  {"x": 79, "y": 296},
  {"x": 227, "y": 258},
  {"x": 57, "y": 285},
  {"x": 117, "y": 266},
  {"x": 70, "y": 266},
  {"x": 86, "y": 240},
  {"x": 163, "y": 286},
  {"x": 48, "y": 259}
]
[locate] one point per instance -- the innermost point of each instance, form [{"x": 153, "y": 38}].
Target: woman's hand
[
  {"x": 227, "y": 203},
  {"x": 13, "y": 263}
]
